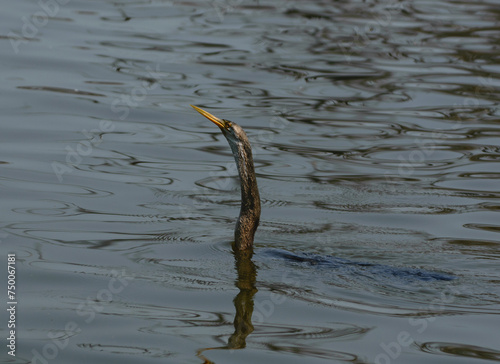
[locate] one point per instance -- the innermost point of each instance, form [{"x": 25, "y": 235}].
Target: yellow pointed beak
[{"x": 219, "y": 122}]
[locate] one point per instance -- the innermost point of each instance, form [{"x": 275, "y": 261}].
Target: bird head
[{"x": 232, "y": 131}]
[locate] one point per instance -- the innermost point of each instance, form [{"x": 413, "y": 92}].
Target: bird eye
[{"x": 229, "y": 125}]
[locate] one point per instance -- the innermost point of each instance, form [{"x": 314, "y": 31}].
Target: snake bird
[{"x": 248, "y": 221}]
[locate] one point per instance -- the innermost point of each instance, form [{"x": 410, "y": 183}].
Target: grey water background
[{"x": 376, "y": 131}]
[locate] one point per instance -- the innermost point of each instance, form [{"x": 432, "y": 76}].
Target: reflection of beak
[{"x": 219, "y": 122}]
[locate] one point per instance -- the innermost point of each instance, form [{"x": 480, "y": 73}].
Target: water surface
[{"x": 375, "y": 129}]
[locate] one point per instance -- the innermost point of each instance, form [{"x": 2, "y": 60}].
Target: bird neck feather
[{"x": 250, "y": 200}]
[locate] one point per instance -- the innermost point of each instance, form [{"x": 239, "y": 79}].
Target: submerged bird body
[{"x": 248, "y": 221}]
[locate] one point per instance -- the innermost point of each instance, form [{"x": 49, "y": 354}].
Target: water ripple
[{"x": 460, "y": 350}]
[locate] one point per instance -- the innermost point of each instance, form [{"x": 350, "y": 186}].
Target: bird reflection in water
[{"x": 243, "y": 303}]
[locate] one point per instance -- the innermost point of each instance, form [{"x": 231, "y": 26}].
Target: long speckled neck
[{"x": 248, "y": 221}]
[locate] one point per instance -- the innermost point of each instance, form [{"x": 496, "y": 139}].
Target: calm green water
[{"x": 376, "y": 132}]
